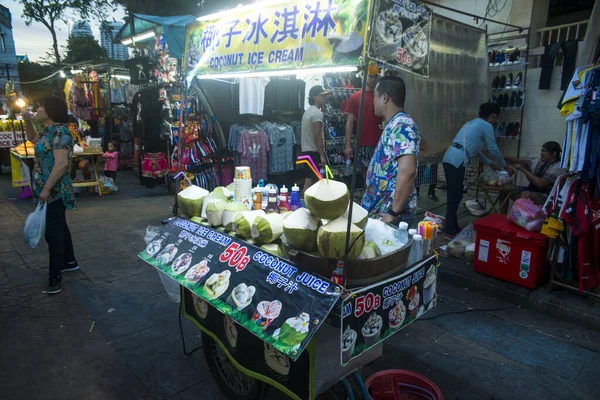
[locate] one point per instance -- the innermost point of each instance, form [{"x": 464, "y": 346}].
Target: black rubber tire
[{"x": 256, "y": 390}]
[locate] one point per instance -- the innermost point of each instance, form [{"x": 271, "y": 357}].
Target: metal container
[{"x": 358, "y": 272}]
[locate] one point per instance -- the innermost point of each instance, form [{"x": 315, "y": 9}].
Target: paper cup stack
[{"x": 242, "y": 186}]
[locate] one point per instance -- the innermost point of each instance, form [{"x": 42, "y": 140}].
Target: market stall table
[
  {"x": 93, "y": 153},
  {"x": 503, "y": 196}
]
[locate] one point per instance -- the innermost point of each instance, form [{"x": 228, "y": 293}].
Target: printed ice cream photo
[
  {"x": 197, "y": 272},
  {"x": 348, "y": 344},
  {"x": 217, "y": 284},
  {"x": 266, "y": 312},
  {"x": 241, "y": 296},
  {"x": 415, "y": 298},
  {"x": 200, "y": 306},
  {"x": 293, "y": 331},
  {"x": 372, "y": 329},
  {"x": 429, "y": 285},
  {"x": 231, "y": 332},
  {"x": 397, "y": 315},
  {"x": 181, "y": 264},
  {"x": 155, "y": 246},
  {"x": 276, "y": 360},
  {"x": 389, "y": 27},
  {"x": 167, "y": 255}
]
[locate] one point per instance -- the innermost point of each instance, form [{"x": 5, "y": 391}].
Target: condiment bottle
[
  {"x": 272, "y": 202},
  {"x": 295, "y": 199},
  {"x": 284, "y": 205},
  {"x": 416, "y": 250},
  {"x": 257, "y": 198}
]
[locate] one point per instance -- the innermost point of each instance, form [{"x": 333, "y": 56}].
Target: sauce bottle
[
  {"x": 257, "y": 198},
  {"x": 295, "y": 199},
  {"x": 272, "y": 207},
  {"x": 284, "y": 205}
]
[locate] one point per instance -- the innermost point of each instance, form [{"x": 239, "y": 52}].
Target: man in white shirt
[{"x": 312, "y": 141}]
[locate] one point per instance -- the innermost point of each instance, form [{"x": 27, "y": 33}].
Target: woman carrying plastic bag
[{"x": 53, "y": 188}]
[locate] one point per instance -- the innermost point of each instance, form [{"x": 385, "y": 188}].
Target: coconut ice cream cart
[{"x": 288, "y": 316}]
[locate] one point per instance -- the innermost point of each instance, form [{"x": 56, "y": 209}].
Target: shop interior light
[
  {"x": 20, "y": 103},
  {"x": 62, "y": 74},
  {"x": 139, "y": 38},
  {"x": 311, "y": 71},
  {"x": 76, "y": 71},
  {"x": 121, "y": 77}
]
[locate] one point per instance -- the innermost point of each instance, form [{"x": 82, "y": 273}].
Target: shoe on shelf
[
  {"x": 495, "y": 82},
  {"x": 515, "y": 56},
  {"x": 505, "y": 100},
  {"x": 517, "y": 81},
  {"x": 54, "y": 286},
  {"x": 519, "y": 99},
  {"x": 517, "y": 129},
  {"x": 509, "y": 81},
  {"x": 501, "y": 129},
  {"x": 502, "y": 82},
  {"x": 513, "y": 100},
  {"x": 509, "y": 130}
]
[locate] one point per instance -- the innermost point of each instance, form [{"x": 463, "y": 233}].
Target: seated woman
[
  {"x": 83, "y": 164},
  {"x": 542, "y": 178}
]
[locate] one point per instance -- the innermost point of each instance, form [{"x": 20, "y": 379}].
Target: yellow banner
[{"x": 279, "y": 35}]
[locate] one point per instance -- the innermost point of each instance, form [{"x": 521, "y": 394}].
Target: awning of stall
[{"x": 173, "y": 29}]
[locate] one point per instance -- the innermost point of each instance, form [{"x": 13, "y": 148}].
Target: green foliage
[
  {"x": 84, "y": 48},
  {"x": 49, "y": 12},
  {"x": 29, "y": 72}
]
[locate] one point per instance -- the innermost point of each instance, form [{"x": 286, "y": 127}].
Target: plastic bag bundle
[
  {"x": 527, "y": 215},
  {"x": 463, "y": 245},
  {"x": 35, "y": 226},
  {"x": 107, "y": 186}
]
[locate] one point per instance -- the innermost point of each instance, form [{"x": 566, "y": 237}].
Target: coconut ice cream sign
[
  {"x": 377, "y": 312},
  {"x": 278, "y": 35},
  {"x": 274, "y": 299},
  {"x": 400, "y": 35}
]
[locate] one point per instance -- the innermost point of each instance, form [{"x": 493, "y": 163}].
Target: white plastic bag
[
  {"x": 35, "y": 226},
  {"x": 459, "y": 246},
  {"x": 77, "y": 149}
]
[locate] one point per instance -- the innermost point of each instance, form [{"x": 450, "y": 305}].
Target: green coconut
[
  {"x": 220, "y": 193},
  {"x": 214, "y": 212},
  {"x": 190, "y": 200},
  {"x": 272, "y": 248},
  {"x": 300, "y": 230},
  {"x": 230, "y": 212},
  {"x": 230, "y": 187},
  {"x": 360, "y": 216},
  {"x": 268, "y": 228},
  {"x": 287, "y": 214},
  {"x": 369, "y": 251},
  {"x": 244, "y": 221},
  {"x": 331, "y": 240},
  {"x": 198, "y": 220},
  {"x": 327, "y": 199}
]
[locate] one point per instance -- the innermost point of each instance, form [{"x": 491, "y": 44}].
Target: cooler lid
[{"x": 500, "y": 225}]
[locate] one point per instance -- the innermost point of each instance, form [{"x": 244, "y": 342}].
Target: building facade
[
  {"x": 9, "y": 69},
  {"x": 107, "y": 34},
  {"x": 81, "y": 28}
]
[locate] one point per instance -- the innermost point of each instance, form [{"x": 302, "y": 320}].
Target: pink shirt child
[{"x": 112, "y": 158}]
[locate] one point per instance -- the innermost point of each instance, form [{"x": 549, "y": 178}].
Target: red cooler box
[{"x": 506, "y": 251}]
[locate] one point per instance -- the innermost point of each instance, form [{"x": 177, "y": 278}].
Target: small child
[{"x": 112, "y": 159}]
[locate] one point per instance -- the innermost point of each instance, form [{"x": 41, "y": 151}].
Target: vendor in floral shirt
[{"x": 390, "y": 192}]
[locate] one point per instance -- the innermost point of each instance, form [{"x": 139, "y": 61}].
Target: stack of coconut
[{"x": 322, "y": 227}]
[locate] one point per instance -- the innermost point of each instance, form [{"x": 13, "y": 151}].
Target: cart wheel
[{"x": 234, "y": 384}]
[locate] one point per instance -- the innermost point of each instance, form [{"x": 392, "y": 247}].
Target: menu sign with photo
[
  {"x": 277, "y": 301},
  {"x": 400, "y": 35},
  {"x": 374, "y": 313}
]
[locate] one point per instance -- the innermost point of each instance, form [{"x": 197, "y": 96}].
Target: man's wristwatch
[{"x": 393, "y": 213}]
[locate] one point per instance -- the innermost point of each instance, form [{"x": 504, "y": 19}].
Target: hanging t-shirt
[
  {"x": 281, "y": 144},
  {"x": 252, "y": 95},
  {"x": 253, "y": 148},
  {"x": 284, "y": 95},
  {"x": 370, "y": 131}
]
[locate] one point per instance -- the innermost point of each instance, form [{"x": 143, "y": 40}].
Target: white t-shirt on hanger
[{"x": 252, "y": 95}]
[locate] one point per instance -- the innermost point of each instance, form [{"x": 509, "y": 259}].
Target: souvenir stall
[
  {"x": 291, "y": 295},
  {"x": 156, "y": 106}
]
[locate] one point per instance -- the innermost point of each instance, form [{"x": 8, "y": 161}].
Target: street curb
[{"x": 566, "y": 306}]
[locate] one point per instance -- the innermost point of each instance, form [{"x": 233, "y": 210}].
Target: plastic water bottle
[
  {"x": 416, "y": 250},
  {"x": 411, "y": 233},
  {"x": 402, "y": 233}
]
